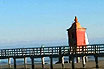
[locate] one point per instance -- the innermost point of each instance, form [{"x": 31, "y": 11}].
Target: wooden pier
[{"x": 96, "y": 50}]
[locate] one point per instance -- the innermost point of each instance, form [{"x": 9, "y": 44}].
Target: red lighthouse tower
[
  {"x": 77, "y": 38},
  {"x": 76, "y": 34}
]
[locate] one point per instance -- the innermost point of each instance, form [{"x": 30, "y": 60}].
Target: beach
[{"x": 89, "y": 65}]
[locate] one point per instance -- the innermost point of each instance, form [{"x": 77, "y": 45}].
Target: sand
[{"x": 89, "y": 65}]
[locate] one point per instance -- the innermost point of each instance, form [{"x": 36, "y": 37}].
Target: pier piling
[
  {"x": 25, "y": 62},
  {"x": 63, "y": 62},
  {"x": 73, "y": 62},
  {"x": 83, "y": 61},
  {"x": 32, "y": 61},
  {"x": 60, "y": 57},
  {"x": 70, "y": 59},
  {"x": 14, "y": 63},
  {"x": 42, "y": 62},
  {"x": 51, "y": 63},
  {"x": 9, "y": 62},
  {"x": 96, "y": 60}
]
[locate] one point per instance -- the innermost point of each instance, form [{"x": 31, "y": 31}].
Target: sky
[{"x": 29, "y": 23}]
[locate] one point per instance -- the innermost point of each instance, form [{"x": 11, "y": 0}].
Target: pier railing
[{"x": 58, "y": 50}]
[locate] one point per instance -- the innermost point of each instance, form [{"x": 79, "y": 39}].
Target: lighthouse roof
[{"x": 76, "y": 24}]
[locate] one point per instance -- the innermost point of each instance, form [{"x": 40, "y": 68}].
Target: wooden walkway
[{"x": 96, "y": 50}]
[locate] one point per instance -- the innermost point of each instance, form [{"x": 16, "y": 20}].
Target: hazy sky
[{"x": 45, "y": 21}]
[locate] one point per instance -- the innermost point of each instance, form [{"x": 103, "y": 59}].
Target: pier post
[
  {"x": 51, "y": 63},
  {"x": 69, "y": 54},
  {"x": 14, "y": 63},
  {"x": 9, "y": 62},
  {"x": 96, "y": 57},
  {"x": 73, "y": 62},
  {"x": 83, "y": 61},
  {"x": 77, "y": 59},
  {"x": 63, "y": 62},
  {"x": 32, "y": 61},
  {"x": 60, "y": 57},
  {"x": 42, "y": 62},
  {"x": 25, "y": 62},
  {"x": 86, "y": 59},
  {"x": 69, "y": 59},
  {"x": 96, "y": 60}
]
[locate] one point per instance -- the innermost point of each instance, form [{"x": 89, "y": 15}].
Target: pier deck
[{"x": 96, "y": 50}]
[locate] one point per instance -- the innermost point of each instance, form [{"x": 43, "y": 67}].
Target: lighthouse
[
  {"x": 77, "y": 37},
  {"x": 76, "y": 34}
]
